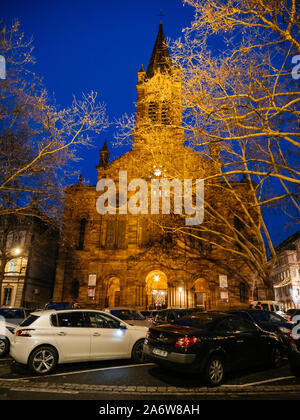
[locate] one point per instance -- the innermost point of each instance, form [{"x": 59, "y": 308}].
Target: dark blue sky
[{"x": 84, "y": 45}]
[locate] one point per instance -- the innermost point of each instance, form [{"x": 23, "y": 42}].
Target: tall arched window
[
  {"x": 153, "y": 111},
  {"x": 82, "y": 226},
  {"x": 243, "y": 292}
]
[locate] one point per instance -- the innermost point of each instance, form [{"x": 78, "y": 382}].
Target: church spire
[
  {"x": 160, "y": 58},
  {"x": 104, "y": 155}
]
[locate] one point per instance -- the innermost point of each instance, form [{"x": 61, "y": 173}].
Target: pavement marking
[
  {"x": 53, "y": 391},
  {"x": 260, "y": 382},
  {"x": 78, "y": 372},
  {"x": 225, "y": 386}
]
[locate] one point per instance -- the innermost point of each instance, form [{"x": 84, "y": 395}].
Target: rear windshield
[
  {"x": 125, "y": 314},
  {"x": 203, "y": 321},
  {"x": 28, "y": 321}
]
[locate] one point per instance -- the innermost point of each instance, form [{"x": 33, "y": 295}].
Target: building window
[
  {"x": 7, "y": 296},
  {"x": 243, "y": 293},
  {"x": 116, "y": 234},
  {"x": 12, "y": 266},
  {"x": 82, "y": 227},
  {"x": 153, "y": 111},
  {"x": 165, "y": 113}
]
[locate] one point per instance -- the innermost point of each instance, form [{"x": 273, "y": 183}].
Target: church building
[{"x": 138, "y": 260}]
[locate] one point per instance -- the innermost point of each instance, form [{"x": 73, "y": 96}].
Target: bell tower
[{"x": 159, "y": 102}]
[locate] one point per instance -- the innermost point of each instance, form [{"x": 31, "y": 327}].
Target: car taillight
[
  {"x": 24, "y": 333},
  {"x": 292, "y": 341},
  {"x": 185, "y": 342}
]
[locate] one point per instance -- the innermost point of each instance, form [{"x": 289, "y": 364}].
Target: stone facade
[
  {"x": 129, "y": 259},
  {"x": 286, "y": 272},
  {"x": 30, "y": 272}
]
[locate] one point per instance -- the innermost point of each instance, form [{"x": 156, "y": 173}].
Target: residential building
[{"x": 286, "y": 273}]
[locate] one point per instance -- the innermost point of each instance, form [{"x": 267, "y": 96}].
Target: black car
[
  {"x": 149, "y": 315},
  {"x": 211, "y": 344},
  {"x": 169, "y": 316},
  {"x": 294, "y": 355},
  {"x": 267, "y": 320},
  {"x": 292, "y": 313}
]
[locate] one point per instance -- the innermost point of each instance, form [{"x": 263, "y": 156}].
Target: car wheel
[
  {"x": 214, "y": 371},
  {"x": 4, "y": 346},
  {"x": 43, "y": 360},
  {"x": 275, "y": 357},
  {"x": 137, "y": 352}
]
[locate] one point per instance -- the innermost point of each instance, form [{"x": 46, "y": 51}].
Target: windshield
[{"x": 127, "y": 314}]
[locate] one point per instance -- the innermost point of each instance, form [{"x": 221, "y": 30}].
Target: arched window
[
  {"x": 243, "y": 292},
  {"x": 153, "y": 111},
  {"x": 82, "y": 226}
]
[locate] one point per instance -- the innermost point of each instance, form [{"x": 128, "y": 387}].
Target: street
[{"x": 124, "y": 380}]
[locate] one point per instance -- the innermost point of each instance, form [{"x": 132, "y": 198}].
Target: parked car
[
  {"x": 48, "y": 338},
  {"x": 272, "y": 306},
  {"x": 212, "y": 344},
  {"x": 267, "y": 320},
  {"x": 59, "y": 305},
  {"x": 130, "y": 315},
  {"x": 14, "y": 315},
  {"x": 292, "y": 312},
  {"x": 6, "y": 336},
  {"x": 149, "y": 315},
  {"x": 294, "y": 355},
  {"x": 166, "y": 316}
]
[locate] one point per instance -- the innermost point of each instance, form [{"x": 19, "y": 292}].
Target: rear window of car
[
  {"x": 28, "y": 321},
  {"x": 12, "y": 313},
  {"x": 203, "y": 321}
]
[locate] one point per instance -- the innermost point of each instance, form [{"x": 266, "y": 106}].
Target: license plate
[{"x": 159, "y": 352}]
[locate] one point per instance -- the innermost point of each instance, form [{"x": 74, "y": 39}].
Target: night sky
[
  {"x": 100, "y": 45},
  {"x": 95, "y": 45}
]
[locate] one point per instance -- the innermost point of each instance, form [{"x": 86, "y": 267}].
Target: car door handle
[
  {"x": 96, "y": 334},
  {"x": 62, "y": 333}
]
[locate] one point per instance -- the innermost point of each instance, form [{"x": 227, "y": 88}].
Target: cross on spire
[{"x": 161, "y": 15}]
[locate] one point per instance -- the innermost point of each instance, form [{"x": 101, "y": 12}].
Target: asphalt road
[{"x": 115, "y": 380}]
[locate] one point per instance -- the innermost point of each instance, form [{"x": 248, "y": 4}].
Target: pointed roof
[
  {"x": 160, "y": 58},
  {"x": 104, "y": 148}
]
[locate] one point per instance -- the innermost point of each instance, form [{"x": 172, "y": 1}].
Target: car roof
[{"x": 57, "y": 311}]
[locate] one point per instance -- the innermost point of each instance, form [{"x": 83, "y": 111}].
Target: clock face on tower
[{"x": 158, "y": 171}]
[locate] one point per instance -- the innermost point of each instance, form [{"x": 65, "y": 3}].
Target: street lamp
[{"x": 16, "y": 251}]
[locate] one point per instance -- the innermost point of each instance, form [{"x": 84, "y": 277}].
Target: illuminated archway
[
  {"x": 157, "y": 289},
  {"x": 112, "y": 292},
  {"x": 202, "y": 295}
]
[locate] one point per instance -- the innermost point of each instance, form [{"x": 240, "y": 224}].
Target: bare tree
[
  {"x": 240, "y": 113},
  {"x": 38, "y": 141}
]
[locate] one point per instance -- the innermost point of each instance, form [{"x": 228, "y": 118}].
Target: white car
[
  {"x": 6, "y": 336},
  {"x": 48, "y": 338}
]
